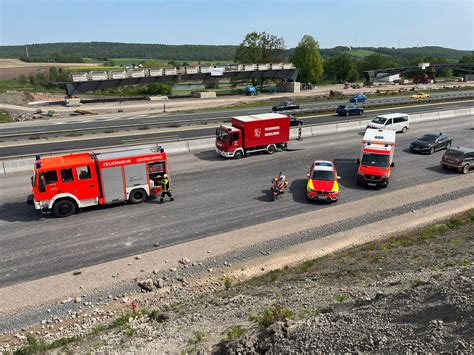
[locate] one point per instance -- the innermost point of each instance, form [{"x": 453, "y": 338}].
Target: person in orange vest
[{"x": 165, "y": 188}]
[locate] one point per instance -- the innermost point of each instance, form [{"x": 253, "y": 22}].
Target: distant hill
[
  {"x": 73, "y": 52},
  {"x": 416, "y": 52},
  {"x": 401, "y": 53},
  {"x": 106, "y": 50}
]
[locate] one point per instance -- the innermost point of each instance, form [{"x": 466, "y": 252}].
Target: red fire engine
[{"x": 67, "y": 183}]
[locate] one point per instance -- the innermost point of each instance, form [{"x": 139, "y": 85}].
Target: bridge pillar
[{"x": 291, "y": 86}]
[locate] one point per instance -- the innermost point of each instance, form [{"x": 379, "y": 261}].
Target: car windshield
[
  {"x": 380, "y": 160},
  {"x": 323, "y": 175},
  {"x": 454, "y": 153},
  {"x": 428, "y": 138},
  {"x": 379, "y": 120},
  {"x": 222, "y": 135}
]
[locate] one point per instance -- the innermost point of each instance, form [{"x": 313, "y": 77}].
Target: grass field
[{"x": 360, "y": 53}]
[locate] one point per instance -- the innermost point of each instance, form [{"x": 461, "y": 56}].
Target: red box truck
[
  {"x": 67, "y": 183},
  {"x": 255, "y": 133}
]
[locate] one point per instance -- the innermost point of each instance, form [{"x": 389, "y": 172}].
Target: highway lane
[
  {"x": 213, "y": 195},
  {"x": 82, "y": 122},
  {"x": 176, "y": 134}
]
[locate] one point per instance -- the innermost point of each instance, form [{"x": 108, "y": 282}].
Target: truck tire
[
  {"x": 238, "y": 154},
  {"x": 271, "y": 149},
  {"x": 64, "y": 208},
  {"x": 465, "y": 169},
  {"x": 137, "y": 196}
]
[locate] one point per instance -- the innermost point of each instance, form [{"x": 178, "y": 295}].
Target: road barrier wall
[{"x": 17, "y": 165}]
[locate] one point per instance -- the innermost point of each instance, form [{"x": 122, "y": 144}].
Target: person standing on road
[{"x": 165, "y": 188}]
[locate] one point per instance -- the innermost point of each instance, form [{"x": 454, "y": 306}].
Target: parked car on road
[
  {"x": 421, "y": 95},
  {"x": 322, "y": 181},
  {"x": 251, "y": 91},
  {"x": 429, "y": 143},
  {"x": 295, "y": 121},
  {"x": 459, "y": 158},
  {"x": 286, "y": 106},
  {"x": 398, "y": 122},
  {"x": 349, "y": 109},
  {"x": 358, "y": 98}
]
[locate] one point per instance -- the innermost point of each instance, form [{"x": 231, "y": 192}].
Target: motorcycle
[{"x": 277, "y": 188}]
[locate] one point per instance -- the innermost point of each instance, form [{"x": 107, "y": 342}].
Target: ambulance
[{"x": 376, "y": 161}]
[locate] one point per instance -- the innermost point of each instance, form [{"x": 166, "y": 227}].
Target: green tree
[
  {"x": 340, "y": 67},
  {"x": 157, "y": 89},
  {"x": 376, "y": 61},
  {"x": 467, "y": 59},
  {"x": 308, "y": 60},
  {"x": 261, "y": 47},
  {"x": 22, "y": 80}
]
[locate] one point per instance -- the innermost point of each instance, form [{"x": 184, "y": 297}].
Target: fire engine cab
[
  {"x": 64, "y": 184},
  {"x": 376, "y": 162}
]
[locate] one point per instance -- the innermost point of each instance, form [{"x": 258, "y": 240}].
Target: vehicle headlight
[
  {"x": 310, "y": 189},
  {"x": 333, "y": 192}
]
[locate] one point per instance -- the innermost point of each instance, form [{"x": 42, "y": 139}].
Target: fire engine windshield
[
  {"x": 222, "y": 135},
  {"x": 380, "y": 160},
  {"x": 33, "y": 179}
]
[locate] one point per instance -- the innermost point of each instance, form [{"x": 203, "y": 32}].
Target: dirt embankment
[{"x": 407, "y": 293}]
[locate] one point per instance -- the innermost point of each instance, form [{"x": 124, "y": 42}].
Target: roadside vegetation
[{"x": 5, "y": 116}]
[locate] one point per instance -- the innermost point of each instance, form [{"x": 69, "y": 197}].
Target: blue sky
[{"x": 332, "y": 22}]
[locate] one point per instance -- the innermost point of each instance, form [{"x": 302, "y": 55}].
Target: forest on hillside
[{"x": 102, "y": 51}]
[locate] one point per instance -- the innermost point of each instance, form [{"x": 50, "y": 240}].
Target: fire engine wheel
[
  {"x": 238, "y": 155},
  {"x": 137, "y": 196},
  {"x": 64, "y": 208},
  {"x": 271, "y": 149}
]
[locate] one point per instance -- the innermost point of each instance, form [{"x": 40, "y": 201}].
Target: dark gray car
[
  {"x": 429, "y": 143},
  {"x": 285, "y": 106},
  {"x": 459, "y": 158}
]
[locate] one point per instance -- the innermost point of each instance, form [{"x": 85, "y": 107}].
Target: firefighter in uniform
[{"x": 165, "y": 186}]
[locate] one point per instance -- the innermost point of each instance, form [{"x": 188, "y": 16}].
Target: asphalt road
[
  {"x": 84, "y": 122},
  {"x": 183, "y": 134},
  {"x": 213, "y": 195}
]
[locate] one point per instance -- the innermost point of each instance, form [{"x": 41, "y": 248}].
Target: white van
[{"x": 399, "y": 122}]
